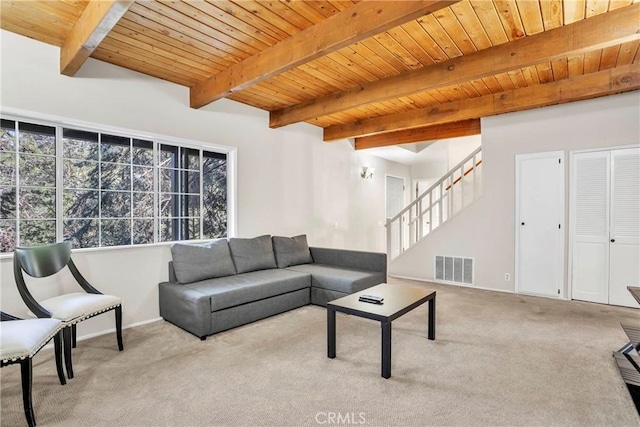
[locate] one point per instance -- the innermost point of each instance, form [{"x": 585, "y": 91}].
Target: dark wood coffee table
[{"x": 398, "y": 300}]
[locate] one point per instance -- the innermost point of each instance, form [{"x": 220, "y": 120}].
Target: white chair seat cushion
[
  {"x": 76, "y": 306},
  {"x": 20, "y": 339}
]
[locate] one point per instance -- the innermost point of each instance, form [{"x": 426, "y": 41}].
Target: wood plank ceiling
[{"x": 363, "y": 70}]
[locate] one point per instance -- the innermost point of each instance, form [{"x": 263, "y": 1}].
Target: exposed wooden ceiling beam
[
  {"x": 607, "y": 82},
  {"x": 609, "y": 29},
  {"x": 350, "y": 26},
  {"x": 423, "y": 134},
  {"x": 94, "y": 24}
]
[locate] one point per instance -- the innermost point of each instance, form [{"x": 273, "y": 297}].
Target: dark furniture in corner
[
  {"x": 19, "y": 342},
  {"x": 398, "y": 301},
  {"x": 71, "y": 308},
  {"x": 628, "y": 358}
]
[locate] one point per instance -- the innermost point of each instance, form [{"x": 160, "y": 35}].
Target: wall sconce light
[{"x": 366, "y": 172}]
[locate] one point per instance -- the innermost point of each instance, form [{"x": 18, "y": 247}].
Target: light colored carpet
[{"x": 498, "y": 359}]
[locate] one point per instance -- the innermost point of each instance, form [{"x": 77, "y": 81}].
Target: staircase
[{"x": 451, "y": 194}]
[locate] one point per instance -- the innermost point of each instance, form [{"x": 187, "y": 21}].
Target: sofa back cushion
[
  {"x": 291, "y": 250},
  {"x": 252, "y": 254},
  {"x": 193, "y": 263}
]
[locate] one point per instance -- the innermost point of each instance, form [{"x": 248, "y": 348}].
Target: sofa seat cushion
[
  {"x": 230, "y": 291},
  {"x": 347, "y": 280}
]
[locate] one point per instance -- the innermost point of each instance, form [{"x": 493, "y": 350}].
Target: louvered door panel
[
  {"x": 589, "y": 221},
  {"x": 625, "y": 197},
  {"x": 625, "y": 226}
]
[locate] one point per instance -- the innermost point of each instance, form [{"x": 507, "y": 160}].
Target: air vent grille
[{"x": 454, "y": 269}]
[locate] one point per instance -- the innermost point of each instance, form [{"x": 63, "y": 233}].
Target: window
[
  {"x": 191, "y": 198},
  {"x": 108, "y": 191},
  {"x": 115, "y": 190},
  {"x": 27, "y": 184}
]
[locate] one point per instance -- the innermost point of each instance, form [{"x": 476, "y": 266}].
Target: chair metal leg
[
  {"x": 57, "y": 345},
  {"x": 26, "y": 371},
  {"x": 119, "y": 327},
  {"x": 66, "y": 335},
  {"x": 73, "y": 335}
]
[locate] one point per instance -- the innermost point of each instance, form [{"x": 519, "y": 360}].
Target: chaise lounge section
[{"x": 227, "y": 283}]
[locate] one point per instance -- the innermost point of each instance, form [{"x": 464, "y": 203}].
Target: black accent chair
[
  {"x": 71, "y": 308},
  {"x": 20, "y": 340}
]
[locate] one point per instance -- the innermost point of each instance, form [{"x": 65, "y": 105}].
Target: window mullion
[
  {"x": 131, "y": 242},
  {"x": 59, "y": 185},
  {"x": 201, "y": 194},
  {"x": 99, "y": 189},
  {"x": 156, "y": 192},
  {"x": 177, "y": 205},
  {"x": 17, "y": 164}
]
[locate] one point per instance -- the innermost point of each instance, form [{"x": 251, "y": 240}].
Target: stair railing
[{"x": 448, "y": 196}]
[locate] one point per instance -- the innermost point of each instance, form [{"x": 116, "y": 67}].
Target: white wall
[
  {"x": 486, "y": 230},
  {"x": 288, "y": 180}
]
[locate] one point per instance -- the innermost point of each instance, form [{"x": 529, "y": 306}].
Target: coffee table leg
[
  {"x": 386, "y": 349},
  {"x": 432, "y": 318},
  {"x": 331, "y": 333}
]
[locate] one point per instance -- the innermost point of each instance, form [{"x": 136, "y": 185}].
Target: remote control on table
[{"x": 373, "y": 299}]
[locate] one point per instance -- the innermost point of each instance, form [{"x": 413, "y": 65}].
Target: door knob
[
  {"x": 522, "y": 223},
  {"x": 613, "y": 240}
]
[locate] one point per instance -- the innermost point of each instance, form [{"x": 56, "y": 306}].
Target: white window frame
[{"x": 61, "y": 122}]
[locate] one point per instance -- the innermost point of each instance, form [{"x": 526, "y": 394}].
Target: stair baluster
[{"x": 435, "y": 206}]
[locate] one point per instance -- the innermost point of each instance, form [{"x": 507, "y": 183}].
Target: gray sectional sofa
[{"x": 227, "y": 283}]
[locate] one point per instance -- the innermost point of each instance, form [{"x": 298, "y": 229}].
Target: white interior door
[
  {"x": 624, "y": 252},
  {"x": 539, "y": 216},
  {"x": 395, "y": 203},
  {"x": 589, "y": 218}
]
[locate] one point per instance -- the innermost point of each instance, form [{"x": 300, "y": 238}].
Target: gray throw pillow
[
  {"x": 192, "y": 263},
  {"x": 291, "y": 250},
  {"x": 252, "y": 254}
]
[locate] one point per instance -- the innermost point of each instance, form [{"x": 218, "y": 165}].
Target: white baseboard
[
  {"x": 108, "y": 331},
  {"x": 462, "y": 285}
]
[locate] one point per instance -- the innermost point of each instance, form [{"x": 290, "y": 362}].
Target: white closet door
[
  {"x": 624, "y": 257},
  {"x": 395, "y": 203},
  {"x": 589, "y": 221}
]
